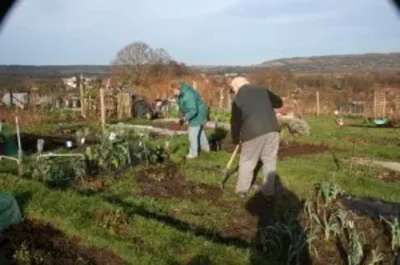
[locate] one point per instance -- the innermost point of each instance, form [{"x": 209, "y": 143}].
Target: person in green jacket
[{"x": 195, "y": 113}]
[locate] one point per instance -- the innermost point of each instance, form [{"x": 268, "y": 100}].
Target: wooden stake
[
  {"x": 103, "y": 110},
  {"x": 221, "y": 98},
  {"x": 229, "y": 101},
  {"x": 82, "y": 96},
  {"x": 384, "y": 106},
  {"x": 375, "y": 103},
  {"x": 18, "y": 138},
  {"x": 317, "y": 97}
]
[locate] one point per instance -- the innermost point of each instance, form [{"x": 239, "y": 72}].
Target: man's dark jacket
[{"x": 253, "y": 113}]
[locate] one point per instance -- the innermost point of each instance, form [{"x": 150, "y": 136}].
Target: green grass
[{"x": 175, "y": 231}]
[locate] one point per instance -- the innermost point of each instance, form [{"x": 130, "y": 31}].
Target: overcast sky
[{"x": 196, "y": 32}]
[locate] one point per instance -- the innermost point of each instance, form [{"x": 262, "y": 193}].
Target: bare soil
[
  {"x": 297, "y": 149},
  {"x": 389, "y": 175},
  {"x": 47, "y": 245},
  {"x": 166, "y": 181}
]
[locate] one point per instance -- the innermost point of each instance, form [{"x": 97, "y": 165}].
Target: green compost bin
[
  {"x": 8, "y": 143},
  {"x": 10, "y": 213}
]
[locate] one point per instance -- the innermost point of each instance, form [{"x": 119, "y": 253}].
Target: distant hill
[
  {"x": 49, "y": 71},
  {"x": 317, "y": 64},
  {"x": 338, "y": 63}
]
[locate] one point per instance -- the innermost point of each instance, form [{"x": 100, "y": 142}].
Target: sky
[{"x": 207, "y": 32}]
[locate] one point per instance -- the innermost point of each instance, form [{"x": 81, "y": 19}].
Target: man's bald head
[{"x": 238, "y": 82}]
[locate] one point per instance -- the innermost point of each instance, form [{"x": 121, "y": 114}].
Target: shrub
[
  {"x": 56, "y": 171},
  {"x": 294, "y": 125}
]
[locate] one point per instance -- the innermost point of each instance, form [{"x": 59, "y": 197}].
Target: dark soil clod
[
  {"x": 166, "y": 181},
  {"x": 297, "y": 149}
]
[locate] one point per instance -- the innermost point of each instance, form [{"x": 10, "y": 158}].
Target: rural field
[{"x": 130, "y": 201}]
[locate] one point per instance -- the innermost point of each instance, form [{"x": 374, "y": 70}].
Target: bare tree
[{"x": 133, "y": 63}]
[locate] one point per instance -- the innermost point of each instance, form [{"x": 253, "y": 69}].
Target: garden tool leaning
[{"x": 226, "y": 171}]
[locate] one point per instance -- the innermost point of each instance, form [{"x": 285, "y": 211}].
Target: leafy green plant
[
  {"x": 328, "y": 191},
  {"x": 328, "y": 225},
  {"x": 57, "y": 171},
  {"x": 310, "y": 208},
  {"x": 156, "y": 154},
  {"x": 356, "y": 252},
  {"x": 343, "y": 217},
  {"x": 151, "y": 154},
  {"x": 24, "y": 256},
  {"x": 285, "y": 241},
  {"x": 110, "y": 154},
  {"x": 79, "y": 167},
  {"x": 395, "y": 231},
  {"x": 376, "y": 257},
  {"x": 49, "y": 171}
]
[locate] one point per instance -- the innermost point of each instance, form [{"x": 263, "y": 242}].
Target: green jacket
[{"x": 192, "y": 106}]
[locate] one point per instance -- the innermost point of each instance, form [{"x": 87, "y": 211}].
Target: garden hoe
[{"x": 226, "y": 171}]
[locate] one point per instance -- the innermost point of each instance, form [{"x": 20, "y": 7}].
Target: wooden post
[
  {"x": 119, "y": 105},
  {"x": 194, "y": 85},
  {"x": 103, "y": 110},
  {"x": 398, "y": 102},
  {"x": 18, "y": 138},
  {"x": 375, "y": 103},
  {"x": 221, "y": 98},
  {"x": 82, "y": 96},
  {"x": 229, "y": 101},
  {"x": 384, "y": 105},
  {"x": 317, "y": 97},
  {"x": 11, "y": 97}
]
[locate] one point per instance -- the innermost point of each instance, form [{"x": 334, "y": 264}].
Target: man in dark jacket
[{"x": 255, "y": 126}]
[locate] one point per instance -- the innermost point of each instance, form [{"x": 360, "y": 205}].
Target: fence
[{"x": 382, "y": 102}]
